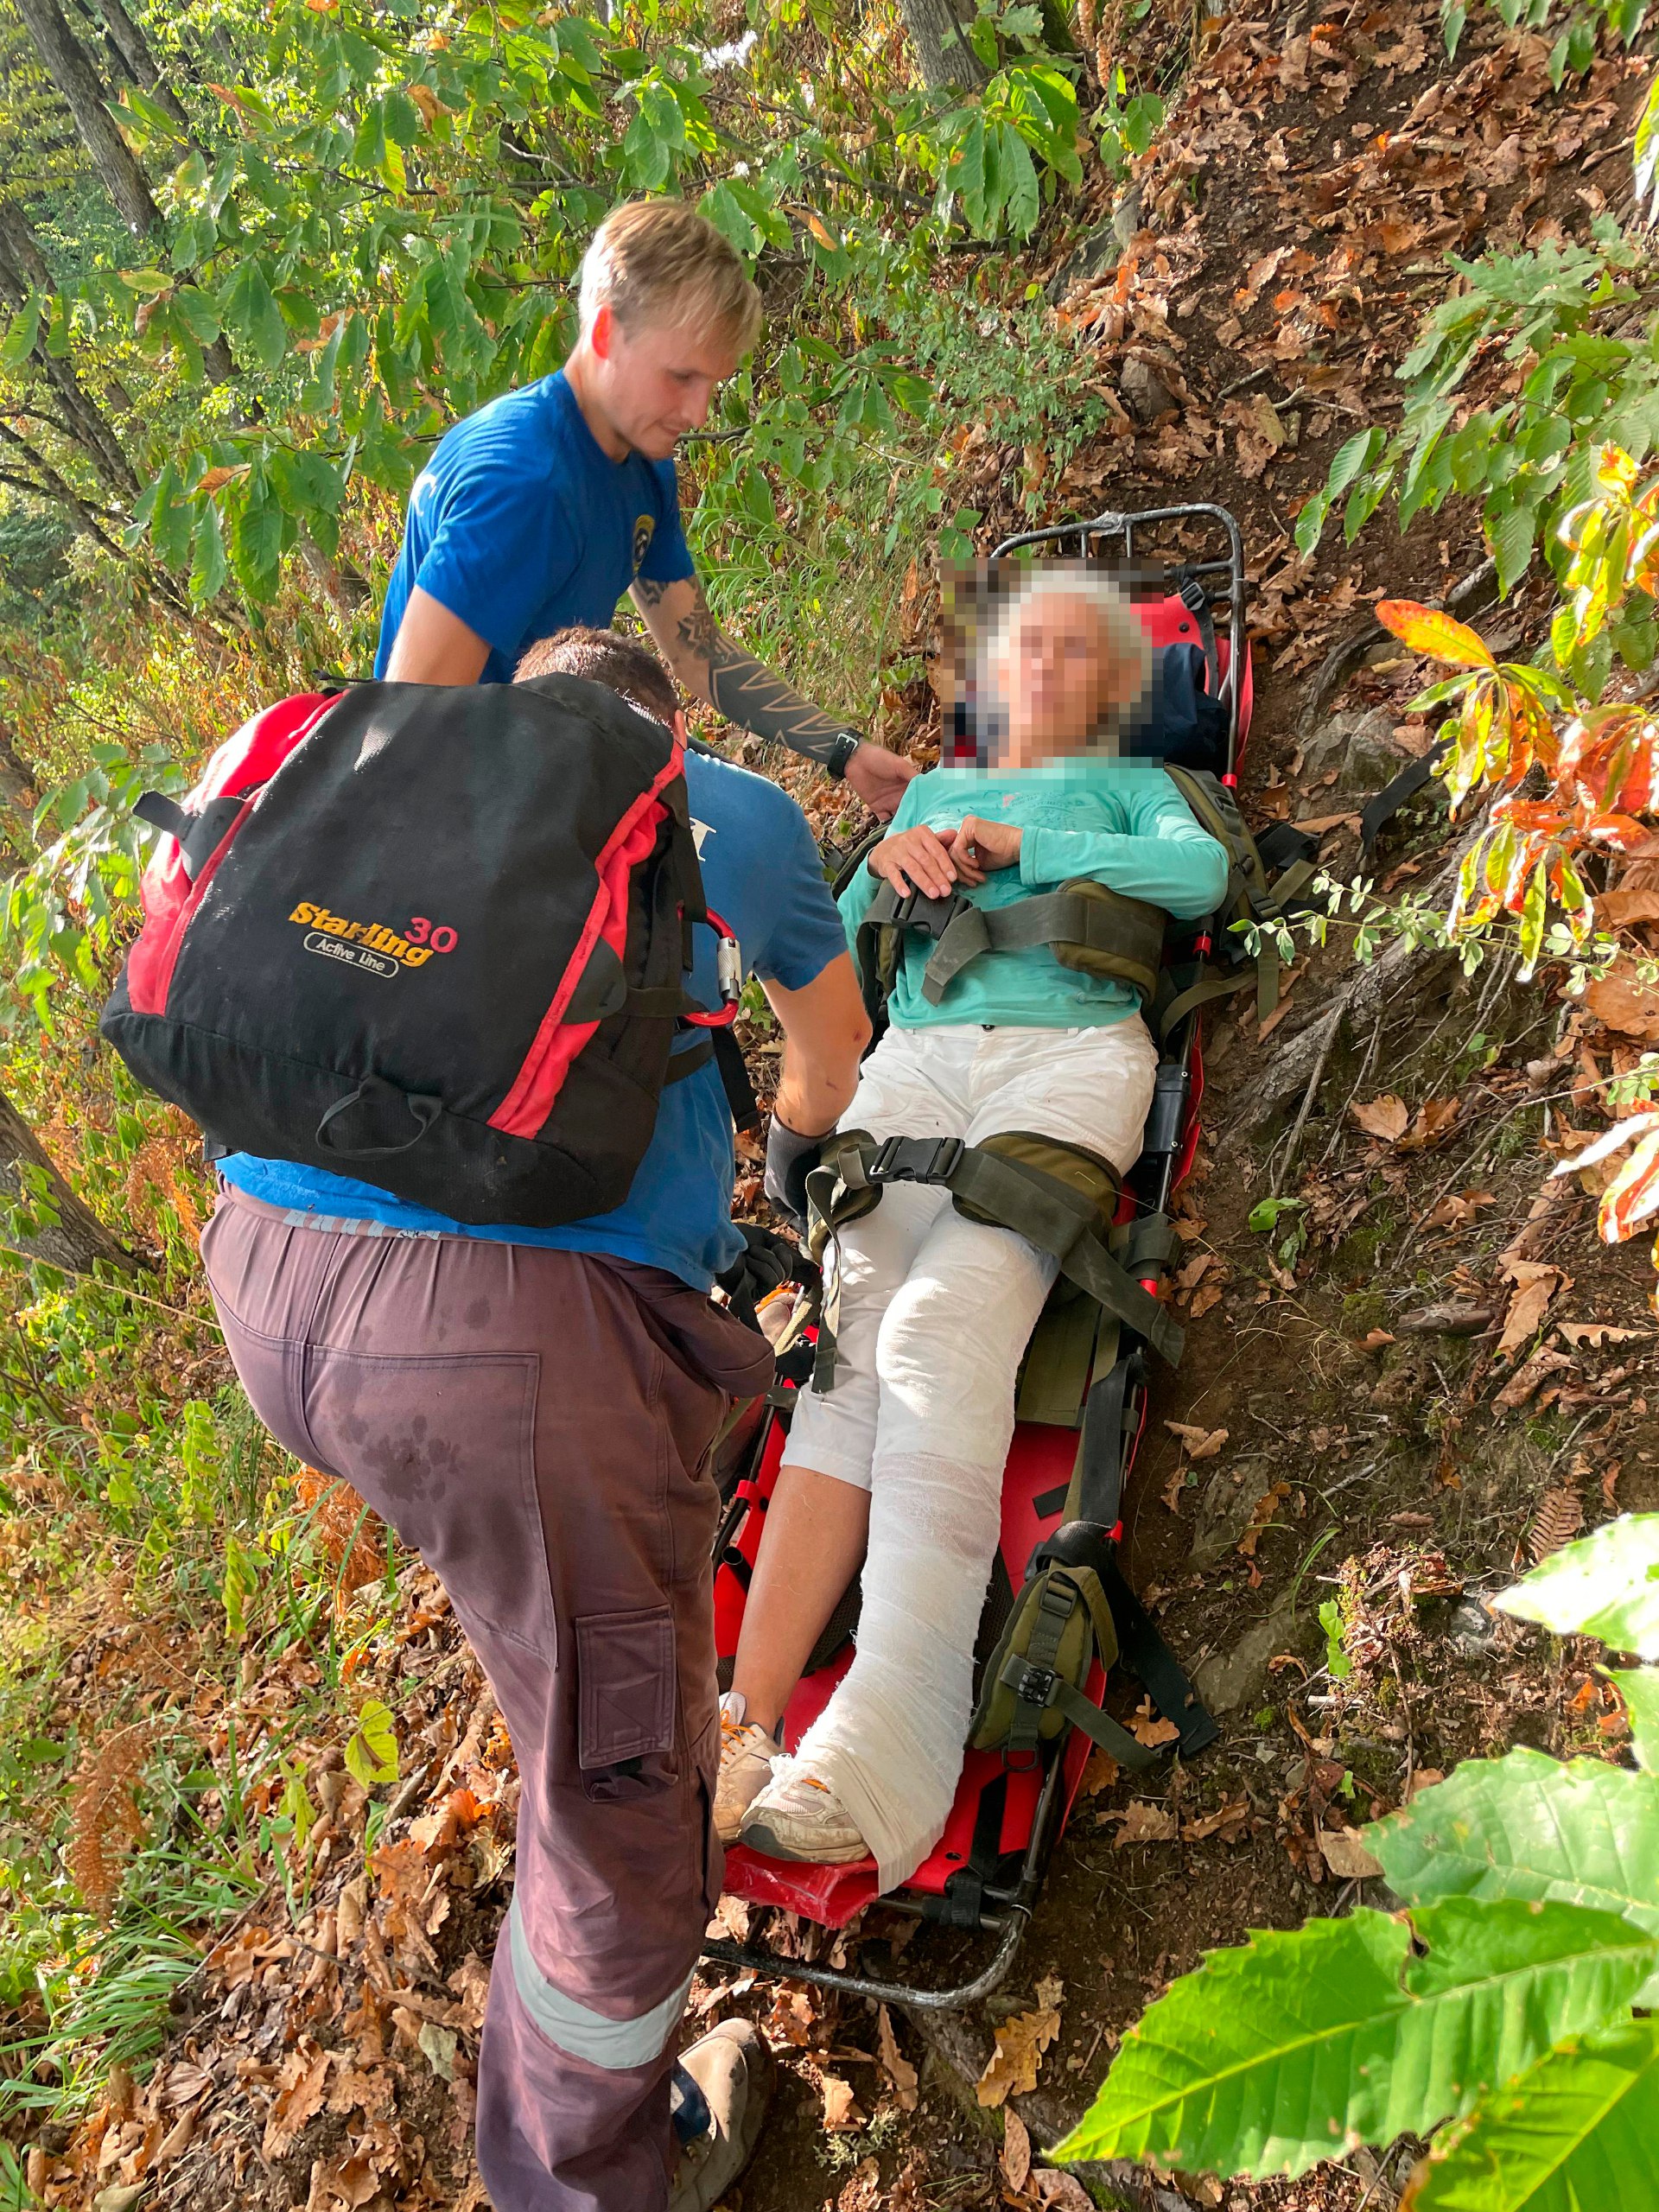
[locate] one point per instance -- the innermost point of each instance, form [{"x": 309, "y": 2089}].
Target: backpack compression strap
[
  {"x": 988, "y": 1185},
  {"x": 1086, "y": 925},
  {"x": 1250, "y": 896}
]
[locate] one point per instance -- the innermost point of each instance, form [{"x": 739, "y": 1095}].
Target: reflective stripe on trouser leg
[{"x": 615, "y": 2045}]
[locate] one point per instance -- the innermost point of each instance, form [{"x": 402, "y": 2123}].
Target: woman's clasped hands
[{"x": 933, "y": 862}]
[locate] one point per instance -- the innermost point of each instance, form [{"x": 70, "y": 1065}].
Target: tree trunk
[
  {"x": 65, "y": 62},
  {"x": 60, "y": 1229},
  {"x": 23, "y": 265},
  {"x": 17, "y": 797},
  {"x": 131, "y": 45},
  {"x": 943, "y": 53}
]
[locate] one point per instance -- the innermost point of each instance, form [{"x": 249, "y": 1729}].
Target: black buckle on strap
[
  {"x": 932, "y": 917},
  {"x": 916, "y": 1160},
  {"x": 1035, "y": 1684}
]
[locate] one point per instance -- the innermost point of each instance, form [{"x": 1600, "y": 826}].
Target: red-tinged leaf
[
  {"x": 1632, "y": 1197},
  {"x": 1615, "y": 470},
  {"x": 1534, "y": 734},
  {"x": 1426, "y": 630},
  {"x": 1461, "y": 768},
  {"x": 1535, "y": 908},
  {"x": 1642, "y": 573},
  {"x": 1616, "y": 829},
  {"x": 1500, "y": 858},
  {"x": 1466, "y": 912}
]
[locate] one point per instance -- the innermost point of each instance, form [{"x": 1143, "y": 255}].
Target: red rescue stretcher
[{"x": 987, "y": 1872}]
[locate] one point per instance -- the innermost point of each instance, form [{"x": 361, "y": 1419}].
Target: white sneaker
[
  {"x": 801, "y": 1818},
  {"x": 746, "y": 1755}
]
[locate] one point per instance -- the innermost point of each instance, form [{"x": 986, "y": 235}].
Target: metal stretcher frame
[{"x": 1172, "y": 1136}]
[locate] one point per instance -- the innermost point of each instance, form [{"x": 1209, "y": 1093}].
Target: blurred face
[
  {"x": 1058, "y": 676},
  {"x": 654, "y": 384}
]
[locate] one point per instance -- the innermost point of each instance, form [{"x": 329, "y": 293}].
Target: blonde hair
[{"x": 659, "y": 261}]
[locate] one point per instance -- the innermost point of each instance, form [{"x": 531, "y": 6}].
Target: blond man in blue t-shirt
[{"x": 538, "y": 512}]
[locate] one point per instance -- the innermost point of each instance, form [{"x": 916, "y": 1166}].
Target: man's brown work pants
[{"x": 536, "y": 1423}]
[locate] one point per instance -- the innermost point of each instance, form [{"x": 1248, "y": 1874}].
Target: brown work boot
[{"x": 732, "y": 2068}]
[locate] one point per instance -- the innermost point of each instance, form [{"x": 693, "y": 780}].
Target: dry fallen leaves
[
  {"x": 1142, "y": 1821},
  {"x": 1151, "y": 1728},
  {"x": 1597, "y": 1333},
  {"x": 1099, "y": 1774},
  {"x": 1011, "y": 2070},
  {"x": 1261, "y": 1518},
  {"x": 1346, "y": 1856},
  {"x": 1626, "y": 1004},
  {"x": 1558, "y": 1520},
  {"x": 1015, "y": 2160},
  {"x": 841, "y": 2112},
  {"x": 300, "y": 2088},
  {"x": 1535, "y": 1285},
  {"x": 1387, "y": 1118},
  {"x": 1392, "y": 1121},
  {"x": 897, "y": 2067},
  {"x": 1201, "y": 1443},
  {"x": 1228, "y": 1821},
  {"x": 1063, "y": 2191}
]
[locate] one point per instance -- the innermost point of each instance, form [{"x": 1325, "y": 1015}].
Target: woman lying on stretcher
[{"x": 900, "y": 1466}]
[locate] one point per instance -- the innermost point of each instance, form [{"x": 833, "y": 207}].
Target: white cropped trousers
[{"x": 936, "y": 1311}]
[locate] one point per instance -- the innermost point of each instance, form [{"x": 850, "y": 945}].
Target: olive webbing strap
[
  {"x": 1057, "y": 1221},
  {"x": 1037, "y": 1686},
  {"x": 1085, "y": 914},
  {"x": 1010, "y": 1194},
  {"x": 1129, "y": 931},
  {"x": 1078, "y": 1708}
]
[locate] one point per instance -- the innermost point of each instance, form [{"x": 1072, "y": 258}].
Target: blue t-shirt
[
  {"x": 521, "y": 524},
  {"x": 762, "y": 875}
]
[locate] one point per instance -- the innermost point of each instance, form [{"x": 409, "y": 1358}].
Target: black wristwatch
[{"x": 839, "y": 758}]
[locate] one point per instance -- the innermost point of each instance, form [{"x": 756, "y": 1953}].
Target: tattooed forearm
[
  {"x": 699, "y": 633},
  {"x": 747, "y": 692},
  {"x": 717, "y": 668}
]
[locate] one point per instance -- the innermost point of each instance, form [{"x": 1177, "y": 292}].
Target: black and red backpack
[{"x": 435, "y": 937}]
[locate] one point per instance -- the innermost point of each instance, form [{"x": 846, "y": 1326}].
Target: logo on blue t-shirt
[{"x": 645, "y": 529}]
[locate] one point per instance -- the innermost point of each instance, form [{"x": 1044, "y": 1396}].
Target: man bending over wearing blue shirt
[
  {"x": 532, "y": 1409},
  {"x": 544, "y": 507}
]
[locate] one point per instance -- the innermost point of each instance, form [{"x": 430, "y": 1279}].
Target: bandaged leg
[{"x": 890, "y": 1742}]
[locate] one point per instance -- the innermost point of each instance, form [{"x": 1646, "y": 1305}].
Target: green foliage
[
  {"x": 1580, "y": 2129},
  {"x": 1500, "y": 2000},
  {"x": 372, "y": 1752},
  {"x": 1588, "y": 376},
  {"x": 1338, "y": 1664},
  {"x": 1242, "y": 2064},
  {"x": 1639, "y": 1687},
  {"x": 1525, "y": 1825},
  {"x": 380, "y": 218},
  {"x": 1575, "y": 47},
  {"x": 1606, "y": 1585}
]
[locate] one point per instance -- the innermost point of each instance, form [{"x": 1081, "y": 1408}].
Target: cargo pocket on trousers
[
  {"x": 626, "y": 1685},
  {"x": 711, "y": 1864}
]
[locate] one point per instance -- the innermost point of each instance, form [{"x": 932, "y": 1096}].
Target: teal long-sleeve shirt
[{"x": 1121, "y": 823}]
